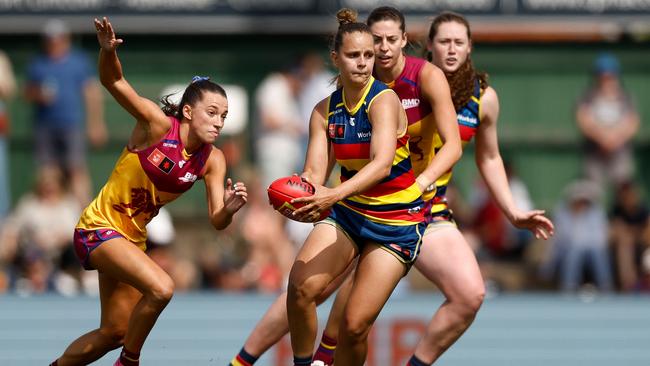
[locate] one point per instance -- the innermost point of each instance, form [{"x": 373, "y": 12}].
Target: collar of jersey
[{"x": 361, "y": 101}]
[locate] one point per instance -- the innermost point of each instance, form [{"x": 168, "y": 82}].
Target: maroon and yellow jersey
[
  {"x": 422, "y": 127},
  {"x": 468, "y": 118},
  {"x": 141, "y": 183}
]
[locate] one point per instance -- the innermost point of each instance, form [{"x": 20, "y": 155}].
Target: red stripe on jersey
[
  {"x": 466, "y": 132},
  {"x": 352, "y": 151},
  {"x": 394, "y": 185}
]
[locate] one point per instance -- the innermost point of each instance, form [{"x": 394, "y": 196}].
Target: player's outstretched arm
[{"x": 111, "y": 77}]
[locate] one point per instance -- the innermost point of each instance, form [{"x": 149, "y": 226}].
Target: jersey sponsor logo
[
  {"x": 410, "y": 103},
  {"x": 170, "y": 143},
  {"x": 188, "y": 178},
  {"x": 338, "y": 110},
  {"x": 364, "y": 135},
  {"x": 181, "y": 163},
  {"x": 336, "y": 131},
  {"x": 161, "y": 161},
  {"x": 466, "y": 119}
]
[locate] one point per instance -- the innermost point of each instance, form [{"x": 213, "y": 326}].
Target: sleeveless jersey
[
  {"x": 422, "y": 127},
  {"x": 468, "y": 118},
  {"x": 396, "y": 199},
  {"x": 141, "y": 183}
]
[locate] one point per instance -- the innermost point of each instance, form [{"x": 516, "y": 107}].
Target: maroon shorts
[{"x": 85, "y": 241}]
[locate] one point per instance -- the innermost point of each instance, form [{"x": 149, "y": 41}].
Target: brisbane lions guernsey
[
  {"x": 422, "y": 127},
  {"x": 469, "y": 119},
  {"x": 396, "y": 199},
  {"x": 141, "y": 183}
]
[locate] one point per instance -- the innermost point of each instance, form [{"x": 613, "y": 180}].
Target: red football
[{"x": 284, "y": 189}]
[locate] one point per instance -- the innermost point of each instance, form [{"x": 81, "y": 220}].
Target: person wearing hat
[
  {"x": 608, "y": 120},
  {"x": 65, "y": 94},
  {"x": 581, "y": 239}
]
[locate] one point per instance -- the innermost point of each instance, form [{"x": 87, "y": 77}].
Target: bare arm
[
  {"x": 95, "y": 126},
  {"x": 223, "y": 202},
  {"x": 151, "y": 121},
  {"x": 436, "y": 90},
  {"x": 7, "y": 79},
  {"x": 385, "y": 113},
  {"x": 490, "y": 165}
]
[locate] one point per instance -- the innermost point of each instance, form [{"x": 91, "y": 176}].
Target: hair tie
[{"x": 200, "y": 78}]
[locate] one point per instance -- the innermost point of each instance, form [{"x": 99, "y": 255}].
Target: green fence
[{"x": 537, "y": 85}]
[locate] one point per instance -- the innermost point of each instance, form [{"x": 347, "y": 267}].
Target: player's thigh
[
  {"x": 326, "y": 254},
  {"x": 377, "y": 274},
  {"x": 447, "y": 260},
  {"x": 125, "y": 262}
]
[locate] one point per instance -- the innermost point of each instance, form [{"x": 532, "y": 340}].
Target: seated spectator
[
  {"x": 629, "y": 220},
  {"x": 581, "y": 233},
  {"x": 39, "y": 231}
]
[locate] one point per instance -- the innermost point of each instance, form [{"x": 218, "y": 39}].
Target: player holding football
[
  {"x": 445, "y": 258},
  {"x": 376, "y": 210},
  {"x": 168, "y": 151}
]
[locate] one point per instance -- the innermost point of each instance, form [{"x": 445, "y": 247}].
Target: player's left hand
[
  {"x": 235, "y": 196},
  {"x": 535, "y": 222}
]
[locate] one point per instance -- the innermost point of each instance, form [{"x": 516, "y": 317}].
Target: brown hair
[
  {"x": 192, "y": 94},
  {"x": 347, "y": 19},
  {"x": 386, "y": 13},
  {"x": 461, "y": 82}
]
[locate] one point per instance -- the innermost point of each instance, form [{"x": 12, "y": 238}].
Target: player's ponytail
[{"x": 192, "y": 94}]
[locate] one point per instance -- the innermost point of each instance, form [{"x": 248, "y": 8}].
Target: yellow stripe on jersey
[
  {"x": 377, "y": 219},
  {"x": 409, "y": 194}
]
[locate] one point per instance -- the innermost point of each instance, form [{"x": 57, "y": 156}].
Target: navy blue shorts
[{"x": 401, "y": 241}]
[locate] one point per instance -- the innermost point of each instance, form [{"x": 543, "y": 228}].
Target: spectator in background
[
  {"x": 37, "y": 233},
  {"x": 7, "y": 88},
  {"x": 500, "y": 240},
  {"x": 581, "y": 235},
  {"x": 161, "y": 235},
  {"x": 279, "y": 126},
  {"x": 608, "y": 120},
  {"x": 629, "y": 220},
  {"x": 62, "y": 86}
]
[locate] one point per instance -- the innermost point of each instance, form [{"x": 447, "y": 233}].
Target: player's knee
[
  {"x": 114, "y": 334},
  {"x": 356, "y": 330},
  {"x": 163, "y": 290},
  {"x": 471, "y": 301},
  {"x": 304, "y": 290}
]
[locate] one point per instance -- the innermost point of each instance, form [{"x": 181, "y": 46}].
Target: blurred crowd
[{"x": 602, "y": 238}]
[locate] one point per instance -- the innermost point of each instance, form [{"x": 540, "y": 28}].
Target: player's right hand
[{"x": 106, "y": 35}]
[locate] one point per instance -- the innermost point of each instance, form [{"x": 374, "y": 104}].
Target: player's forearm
[
  {"x": 442, "y": 162},
  {"x": 110, "y": 68},
  {"x": 494, "y": 175},
  {"x": 221, "y": 219},
  {"x": 366, "y": 178}
]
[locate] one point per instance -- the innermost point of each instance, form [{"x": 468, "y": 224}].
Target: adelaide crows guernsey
[
  {"x": 396, "y": 199},
  {"x": 141, "y": 183}
]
